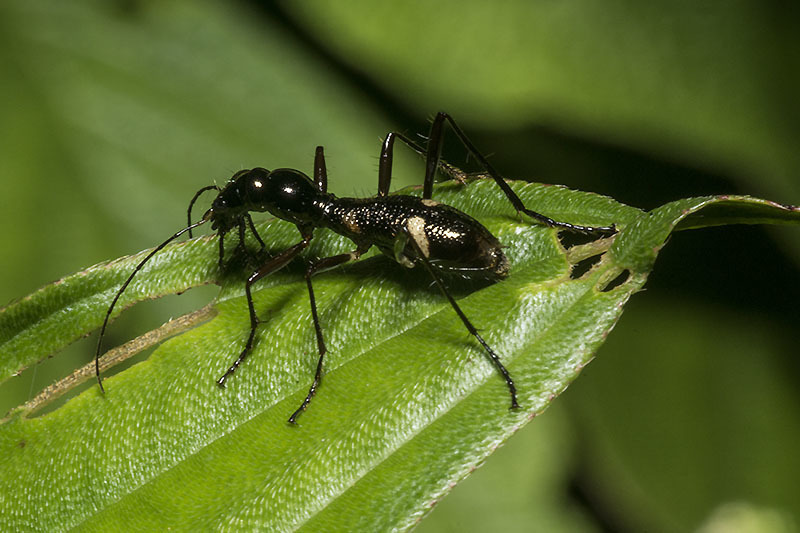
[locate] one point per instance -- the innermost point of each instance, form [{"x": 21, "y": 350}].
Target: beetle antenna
[
  {"x": 191, "y": 204},
  {"x": 155, "y": 250}
]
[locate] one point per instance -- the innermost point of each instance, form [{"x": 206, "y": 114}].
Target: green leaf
[
  {"x": 409, "y": 405},
  {"x": 638, "y": 247}
]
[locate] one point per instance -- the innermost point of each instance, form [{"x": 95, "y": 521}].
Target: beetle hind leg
[{"x": 422, "y": 257}]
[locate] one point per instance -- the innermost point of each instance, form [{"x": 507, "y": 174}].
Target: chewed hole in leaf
[
  {"x": 618, "y": 280},
  {"x": 570, "y": 239},
  {"x": 583, "y": 266}
]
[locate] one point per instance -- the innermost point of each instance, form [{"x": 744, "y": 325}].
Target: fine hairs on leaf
[{"x": 403, "y": 386}]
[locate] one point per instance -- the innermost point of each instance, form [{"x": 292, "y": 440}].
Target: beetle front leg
[{"x": 274, "y": 264}]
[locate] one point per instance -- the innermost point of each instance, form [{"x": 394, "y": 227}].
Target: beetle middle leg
[
  {"x": 387, "y": 156},
  {"x": 317, "y": 266},
  {"x": 320, "y": 171}
]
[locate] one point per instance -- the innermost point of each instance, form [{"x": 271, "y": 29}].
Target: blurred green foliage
[{"x": 113, "y": 114}]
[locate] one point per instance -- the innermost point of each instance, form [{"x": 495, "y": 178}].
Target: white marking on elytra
[
  {"x": 416, "y": 229},
  {"x": 429, "y": 203},
  {"x": 349, "y": 220}
]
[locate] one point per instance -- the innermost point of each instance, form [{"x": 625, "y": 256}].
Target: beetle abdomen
[{"x": 449, "y": 238}]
